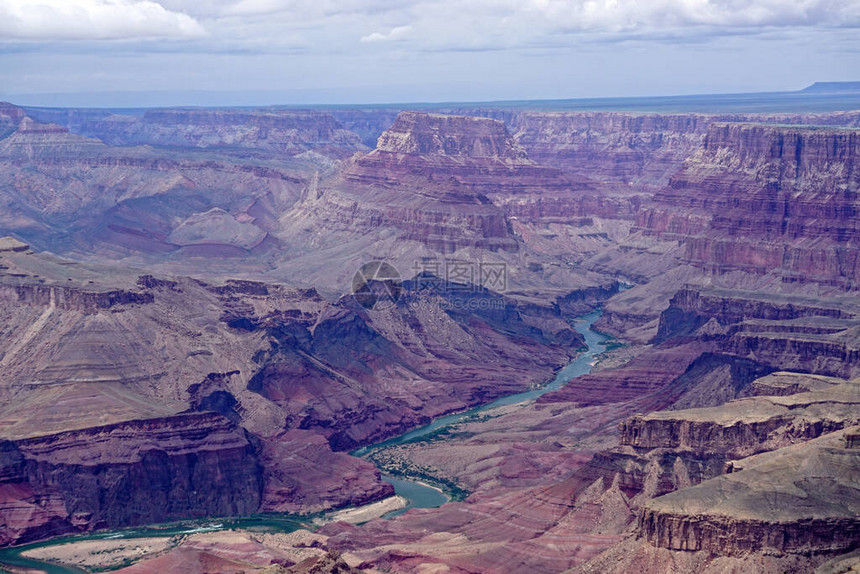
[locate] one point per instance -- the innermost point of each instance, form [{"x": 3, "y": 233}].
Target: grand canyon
[{"x": 619, "y": 341}]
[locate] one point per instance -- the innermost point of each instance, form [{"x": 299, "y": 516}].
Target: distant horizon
[{"x": 148, "y": 99}]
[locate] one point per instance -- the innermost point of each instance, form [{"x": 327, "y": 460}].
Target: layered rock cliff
[
  {"x": 766, "y": 199},
  {"x": 747, "y": 426},
  {"x": 642, "y": 149},
  {"x": 432, "y": 178},
  {"x": 799, "y": 500},
  {"x": 298, "y": 375},
  {"x": 811, "y": 334},
  {"x": 137, "y": 472},
  {"x": 458, "y": 188}
]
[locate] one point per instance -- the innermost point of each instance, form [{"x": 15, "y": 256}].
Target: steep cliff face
[
  {"x": 816, "y": 335},
  {"x": 747, "y": 426},
  {"x": 126, "y": 474},
  {"x": 797, "y": 500},
  {"x": 767, "y": 199},
  {"x": 642, "y": 149},
  {"x": 10, "y": 117},
  {"x": 87, "y": 302},
  {"x": 457, "y": 183},
  {"x": 695, "y": 482},
  {"x": 453, "y": 154},
  {"x": 692, "y": 308},
  {"x": 453, "y": 136}
]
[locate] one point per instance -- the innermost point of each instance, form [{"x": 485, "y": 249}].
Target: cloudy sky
[{"x": 131, "y": 52}]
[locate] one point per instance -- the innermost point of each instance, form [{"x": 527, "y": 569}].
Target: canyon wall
[
  {"x": 778, "y": 503},
  {"x": 112, "y": 380},
  {"x": 766, "y": 199},
  {"x": 807, "y": 334},
  {"x": 126, "y": 474},
  {"x": 642, "y": 149},
  {"x": 432, "y": 178}
]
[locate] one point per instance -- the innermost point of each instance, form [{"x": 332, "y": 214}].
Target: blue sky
[{"x": 126, "y": 52}]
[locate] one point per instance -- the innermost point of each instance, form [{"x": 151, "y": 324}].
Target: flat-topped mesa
[
  {"x": 30, "y": 126},
  {"x": 43, "y": 142},
  {"x": 744, "y": 427},
  {"x": 439, "y": 180},
  {"x": 798, "y": 500},
  {"x": 454, "y": 136},
  {"x": 455, "y": 156},
  {"x": 767, "y": 199}
]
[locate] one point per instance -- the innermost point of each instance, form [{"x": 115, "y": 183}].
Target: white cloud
[
  {"x": 620, "y": 15},
  {"x": 51, "y": 20},
  {"x": 309, "y": 8},
  {"x": 328, "y": 26},
  {"x": 398, "y": 33}
]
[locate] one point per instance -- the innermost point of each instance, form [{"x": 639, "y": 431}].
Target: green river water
[{"x": 418, "y": 494}]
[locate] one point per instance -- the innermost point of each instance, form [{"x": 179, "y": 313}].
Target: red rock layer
[
  {"x": 805, "y": 334},
  {"x": 436, "y": 180},
  {"x": 767, "y": 199},
  {"x": 130, "y": 473},
  {"x": 642, "y": 149},
  {"x": 435, "y": 134},
  {"x": 797, "y": 500},
  {"x": 642, "y": 376},
  {"x": 726, "y": 536}
]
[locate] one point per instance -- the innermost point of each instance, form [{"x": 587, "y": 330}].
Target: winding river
[
  {"x": 421, "y": 495},
  {"x": 418, "y": 494}
]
